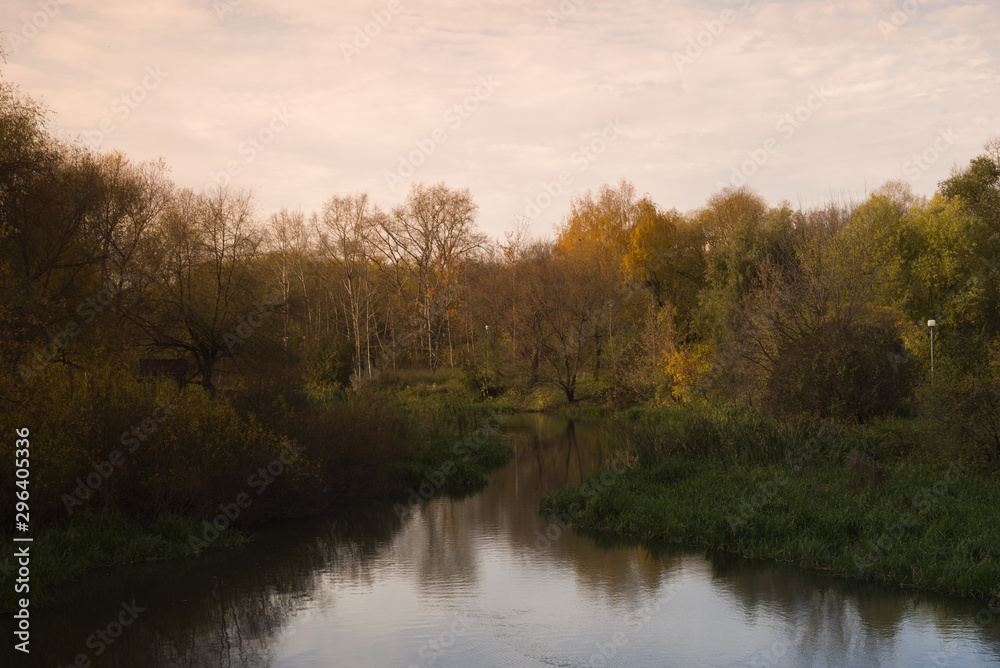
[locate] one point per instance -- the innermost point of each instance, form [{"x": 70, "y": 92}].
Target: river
[{"x": 486, "y": 581}]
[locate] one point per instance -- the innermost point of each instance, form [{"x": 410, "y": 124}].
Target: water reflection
[{"x": 484, "y": 581}]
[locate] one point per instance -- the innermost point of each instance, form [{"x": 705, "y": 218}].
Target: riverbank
[
  {"x": 392, "y": 440},
  {"x": 774, "y": 491}
]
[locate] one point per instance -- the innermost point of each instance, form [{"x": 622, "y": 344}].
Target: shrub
[
  {"x": 483, "y": 381},
  {"x": 843, "y": 370},
  {"x": 331, "y": 364}
]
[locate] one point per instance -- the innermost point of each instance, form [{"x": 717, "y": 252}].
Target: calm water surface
[{"x": 486, "y": 581}]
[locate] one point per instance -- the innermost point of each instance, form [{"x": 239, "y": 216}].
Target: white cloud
[{"x": 560, "y": 82}]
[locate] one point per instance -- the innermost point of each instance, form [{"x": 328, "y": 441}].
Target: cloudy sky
[{"x": 525, "y": 103}]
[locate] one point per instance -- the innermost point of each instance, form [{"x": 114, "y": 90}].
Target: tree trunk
[{"x": 207, "y": 371}]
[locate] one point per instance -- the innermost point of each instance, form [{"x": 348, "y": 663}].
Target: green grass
[
  {"x": 98, "y": 539},
  {"x": 455, "y": 466},
  {"x": 462, "y": 428},
  {"x": 927, "y": 530},
  {"x": 734, "y": 479}
]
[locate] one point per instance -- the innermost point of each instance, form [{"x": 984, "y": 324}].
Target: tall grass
[
  {"x": 735, "y": 479},
  {"x": 101, "y": 537},
  {"x": 927, "y": 531},
  {"x": 723, "y": 433}
]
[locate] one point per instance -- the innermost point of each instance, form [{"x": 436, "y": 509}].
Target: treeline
[
  {"x": 104, "y": 262},
  {"x": 821, "y": 312},
  {"x": 818, "y": 311},
  {"x": 104, "y": 258},
  {"x": 164, "y": 346}
]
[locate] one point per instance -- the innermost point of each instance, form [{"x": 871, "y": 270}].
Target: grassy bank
[
  {"x": 739, "y": 482},
  {"x": 99, "y": 538},
  {"x": 213, "y": 468}
]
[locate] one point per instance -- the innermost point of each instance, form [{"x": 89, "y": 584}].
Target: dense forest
[{"x": 109, "y": 270}]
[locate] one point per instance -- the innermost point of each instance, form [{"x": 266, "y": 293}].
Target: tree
[
  {"x": 978, "y": 186},
  {"x": 348, "y": 224},
  {"x": 564, "y": 296},
  {"x": 434, "y": 231},
  {"x": 290, "y": 245},
  {"x": 823, "y": 339},
  {"x": 666, "y": 255},
  {"x": 741, "y": 236},
  {"x": 598, "y": 227},
  {"x": 513, "y": 253},
  {"x": 72, "y": 222},
  {"x": 947, "y": 278},
  {"x": 598, "y": 232},
  {"x": 205, "y": 296}
]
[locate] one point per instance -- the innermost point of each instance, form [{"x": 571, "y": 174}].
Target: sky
[{"x": 527, "y": 104}]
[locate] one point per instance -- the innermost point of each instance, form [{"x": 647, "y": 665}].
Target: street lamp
[{"x": 932, "y": 324}]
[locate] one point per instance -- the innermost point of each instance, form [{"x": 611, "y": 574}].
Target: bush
[
  {"x": 332, "y": 364},
  {"x": 966, "y": 407},
  {"x": 844, "y": 370},
  {"x": 482, "y": 381}
]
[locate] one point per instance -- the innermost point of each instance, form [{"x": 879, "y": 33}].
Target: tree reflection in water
[{"x": 303, "y": 589}]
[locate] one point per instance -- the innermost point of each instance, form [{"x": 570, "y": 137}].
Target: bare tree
[
  {"x": 564, "y": 298},
  {"x": 346, "y": 229},
  {"x": 205, "y": 295},
  {"x": 290, "y": 243},
  {"x": 434, "y": 232}
]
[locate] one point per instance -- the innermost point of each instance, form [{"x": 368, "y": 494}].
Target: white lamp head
[{"x": 931, "y": 323}]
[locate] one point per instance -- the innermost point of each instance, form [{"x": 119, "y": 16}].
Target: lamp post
[{"x": 932, "y": 324}]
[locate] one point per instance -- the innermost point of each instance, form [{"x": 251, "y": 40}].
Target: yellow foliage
[
  {"x": 686, "y": 369},
  {"x": 598, "y": 228},
  {"x": 652, "y": 237}
]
